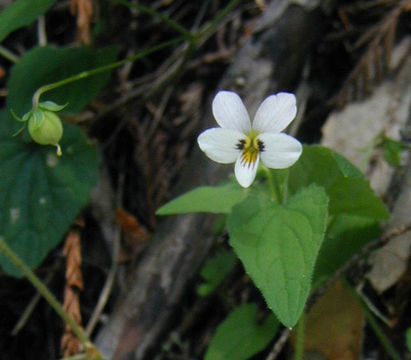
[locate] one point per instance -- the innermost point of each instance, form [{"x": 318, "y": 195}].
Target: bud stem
[{"x": 101, "y": 69}]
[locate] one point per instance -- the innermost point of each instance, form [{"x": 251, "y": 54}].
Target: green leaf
[
  {"x": 354, "y": 208},
  {"x": 392, "y": 151},
  {"x": 318, "y": 165},
  {"x": 214, "y": 271},
  {"x": 18, "y": 118},
  {"x": 278, "y": 246},
  {"x": 355, "y": 196},
  {"x": 211, "y": 199},
  {"x": 240, "y": 336},
  {"x": 45, "y": 65},
  {"x": 345, "y": 236},
  {"x": 51, "y": 106},
  {"x": 21, "y": 13},
  {"x": 38, "y": 118},
  {"x": 346, "y": 167},
  {"x": 348, "y": 190},
  {"x": 41, "y": 194}
]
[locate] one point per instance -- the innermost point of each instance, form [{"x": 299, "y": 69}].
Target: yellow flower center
[{"x": 250, "y": 147}]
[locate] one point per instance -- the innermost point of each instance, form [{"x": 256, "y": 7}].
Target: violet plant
[{"x": 293, "y": 218}]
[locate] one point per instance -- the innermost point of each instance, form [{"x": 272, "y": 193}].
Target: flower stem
[
  {"x": 270, "y": 181},
  {"x": 101, "y": 69},
  {"x": 299, "y": 345},
  {"x": 279, "y": 189},
  {"x": 42, "y": 289}
]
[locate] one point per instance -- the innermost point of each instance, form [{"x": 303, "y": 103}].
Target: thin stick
[
  {"x": 108, "y": 285},
  {"x": 375, "y": 326},
  {"x": 41, "y": 30},
  {"x": 7, "y": 54},
  {"x": 31, "y": 306},
  {"x": 207, "y": 32},
  {"x": 174, "y": 24},
  {"x": 279, "y": 344}
]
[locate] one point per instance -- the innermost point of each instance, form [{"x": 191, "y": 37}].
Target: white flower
[{"x": 245, "y": 143}]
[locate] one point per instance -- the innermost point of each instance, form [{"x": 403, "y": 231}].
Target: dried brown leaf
[
  {"x": 342, "y": 340},
  {"x": 72, "y": 304},
  {"x": 84, "y": 11},
  {"x": 70, "y": 345},
  {"x": 135, "y": 234},
  {"x": 131, "y": 227},
  {"x": 72, "y": 252}
]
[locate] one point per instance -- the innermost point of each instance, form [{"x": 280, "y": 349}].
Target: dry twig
[
  {"x": 373, "y": 65},
  {"x": 84, "y": 11}
]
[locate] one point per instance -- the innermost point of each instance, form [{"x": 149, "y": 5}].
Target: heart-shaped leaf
[
  {"x": 278, "y": 246},
  {"x": 40, "y": 193}
]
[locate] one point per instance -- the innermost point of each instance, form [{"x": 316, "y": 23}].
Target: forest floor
[{"x": 145, "y": 123}]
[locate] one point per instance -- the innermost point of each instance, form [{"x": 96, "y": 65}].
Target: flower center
[{"x": 250, "y": 147}]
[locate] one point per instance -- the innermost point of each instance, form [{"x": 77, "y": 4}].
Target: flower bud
[
  {"x": 48, "y": 131},
  {"x": 44, "y": 124}
]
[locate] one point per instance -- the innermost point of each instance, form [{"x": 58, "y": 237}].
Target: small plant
[{"x": 290, "y": 219}]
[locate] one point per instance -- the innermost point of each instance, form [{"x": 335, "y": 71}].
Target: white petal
[
  {"x": 275, "y": 113},
  {"x": 245, "y": 172},
  {"x": 230, "y": 112},
  {"x": 280, "y": 150},
  {"x": 220, "y": 145}
]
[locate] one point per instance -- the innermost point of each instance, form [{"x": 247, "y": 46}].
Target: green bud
[{"x": 45, "y": 128}]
